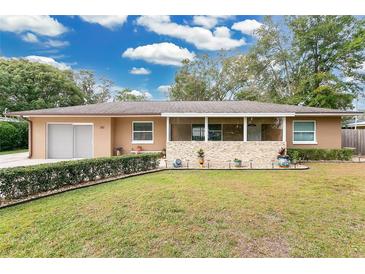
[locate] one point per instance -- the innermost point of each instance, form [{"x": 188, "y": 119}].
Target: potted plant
[
  {"x": 283, "y": 159},
  {"x": 118, "y": 151},
  {"x": 139, "y": 149},
  {"x": 163, "y": 153},
  {"x": 201, "y": 157},
  {"x": 237, "y": 162}
]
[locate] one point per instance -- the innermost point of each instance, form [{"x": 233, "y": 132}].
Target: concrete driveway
[{"x": 21, "y": 159}]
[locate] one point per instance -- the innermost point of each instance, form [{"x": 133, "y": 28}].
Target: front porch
[{"x": 253, "y": 140}]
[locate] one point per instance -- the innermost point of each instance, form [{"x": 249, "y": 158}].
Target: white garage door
[
  {"x": 67, "y": 141},
  {"x": 83, "y": 141}
]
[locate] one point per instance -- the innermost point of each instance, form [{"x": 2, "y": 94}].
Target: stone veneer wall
[{"x": 220, "y": 152}]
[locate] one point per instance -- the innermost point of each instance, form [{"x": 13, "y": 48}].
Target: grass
[
  {"x": 13, "y": 151},
  {"x": 315, "y": 213}
]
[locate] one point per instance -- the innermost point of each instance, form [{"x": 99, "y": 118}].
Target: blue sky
[
  {"x": 142, "y": 53},
  {"x": 113, "y": 45}
]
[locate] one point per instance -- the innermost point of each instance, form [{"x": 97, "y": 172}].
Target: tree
[
  {"x": 332, "y": 52},
  {"x": 127, "y": 95},
  {"x": 93, "y": 92},
  {"x": 270, "y": 66},
  {"x": 208, "y": 78},
  {"x": 27, "y": 85},
  {"x": 308, "y": 60}
]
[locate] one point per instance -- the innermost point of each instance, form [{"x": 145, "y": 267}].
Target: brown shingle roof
[{"x": 158, "y": 107}]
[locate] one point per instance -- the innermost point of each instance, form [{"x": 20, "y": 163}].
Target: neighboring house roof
[
  {"x": 358, "y": 124},
  {"x": 7, "y": 119},
  {"x": 182, "y": 107}
]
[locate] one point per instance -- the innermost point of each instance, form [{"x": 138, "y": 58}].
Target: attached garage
[{"x": 67, "y": 141}]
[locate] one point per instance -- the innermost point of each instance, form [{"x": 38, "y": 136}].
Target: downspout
[{"x": 30, "y": 139}]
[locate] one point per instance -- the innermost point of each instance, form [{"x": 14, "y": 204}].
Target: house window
[
  {"x": 304, "y": 132},
  {"x": 215, "y": 132},
  {"x": 142, "y": 133},
  {"x": 197, "y": 132}
]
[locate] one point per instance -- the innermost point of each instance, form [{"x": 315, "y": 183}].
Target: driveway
[{"x": 21, "y": 159}]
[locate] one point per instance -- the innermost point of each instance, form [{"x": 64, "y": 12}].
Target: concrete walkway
[{"x": 21, "y": 159}]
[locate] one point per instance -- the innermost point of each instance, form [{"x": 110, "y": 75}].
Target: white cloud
[
  {"x": 141, "y": 93},
  {"x": 139, "y": 71},
  {"x": 56, "y": 43},
  {"x": 164, "y": 89},
  {"x": 160, "y": 53},
  {"x": 222, "y": 32},
  {"x": 107, "y": 21},
  {"x": 208, "y": 21},
  {"x": 48, "y": 61},
  {"x": 30, "y": 38},
  {"x": 247, "y": 26},
  {"x": 202, "y": 38},
  {"x": 50, "y": 43},
  {"x": 39, "y": 24}
]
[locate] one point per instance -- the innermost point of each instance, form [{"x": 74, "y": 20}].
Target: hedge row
[
  {"x": 13, "y": 135},
  {"x": 25, "y": 181},
  {"x": 315, "y": 154}
]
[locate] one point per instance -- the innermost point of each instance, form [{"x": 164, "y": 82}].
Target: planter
[
  {"x": 118, "y": 151},
  {"x": 139, "y": 149},
  {"x": 283, "y": 161},
  {"x": 201, "y": 161},
  {"x": 237, "y": 163}
]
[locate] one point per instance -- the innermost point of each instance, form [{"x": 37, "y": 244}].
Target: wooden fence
[{"x": 354, "y": 138}]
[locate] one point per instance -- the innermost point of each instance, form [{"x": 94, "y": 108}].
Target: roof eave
[
  {"x": 243, "y": 114},
  {"x": 328, "y": 113}
]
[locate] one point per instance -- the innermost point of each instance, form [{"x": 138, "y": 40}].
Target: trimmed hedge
[
  {"x": 315, "y": 154},
  {"x": 21, "y": 182},
  {"x": 13, "y": 135}
]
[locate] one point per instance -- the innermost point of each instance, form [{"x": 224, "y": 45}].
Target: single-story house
[{"x": 225, "y": 130}]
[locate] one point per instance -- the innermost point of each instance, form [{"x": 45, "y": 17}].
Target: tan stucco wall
[
  {"x": 328, "y": 131},
  {"x": 115, "y": 132},
  {"x": 122, "y": 136},
  {"x": 102, "y": 134}
]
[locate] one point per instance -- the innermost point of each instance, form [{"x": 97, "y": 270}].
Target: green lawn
[
  {"x": 314, "y": 213},
  {"x": 13, "y": 151}
]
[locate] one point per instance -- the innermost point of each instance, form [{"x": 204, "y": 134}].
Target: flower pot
[
  {"x": 237, "y": 163},
  {"x": 139, "y": 149},
  {"x": 283, "y": 161},
  {"x": 201, "y": 162}
]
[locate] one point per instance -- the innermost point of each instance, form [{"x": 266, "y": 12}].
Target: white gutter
[
  {"x": 195, "y": 114},
  {"x": 191, "y": 114},
  {"x": 327, "y": 114},
  {"x": 89, "y": 116}
]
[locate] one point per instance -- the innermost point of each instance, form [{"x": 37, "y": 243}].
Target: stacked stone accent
[{"x": 260, "y": 153}]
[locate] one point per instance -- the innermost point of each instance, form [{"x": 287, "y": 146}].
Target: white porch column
[
  {"x": 284, "y": 128},
  {"x": 206, "y": 129},
  {"x": 167, "y": 129},
  {"x": 245, "y": 129}
]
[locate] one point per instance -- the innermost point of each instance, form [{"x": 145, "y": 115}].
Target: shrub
[
  {"x": 22, "y": 134},
  {"x": 24, "y": 181},
  {"x": 315, "y": 154},
  {"x": 8, "y": 136},
  {"x": 13, "y": 135}
]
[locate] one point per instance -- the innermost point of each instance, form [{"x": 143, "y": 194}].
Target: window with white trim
[
  {"x": 142, "y": 132},
  {"x": 304, "y": 132}
]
